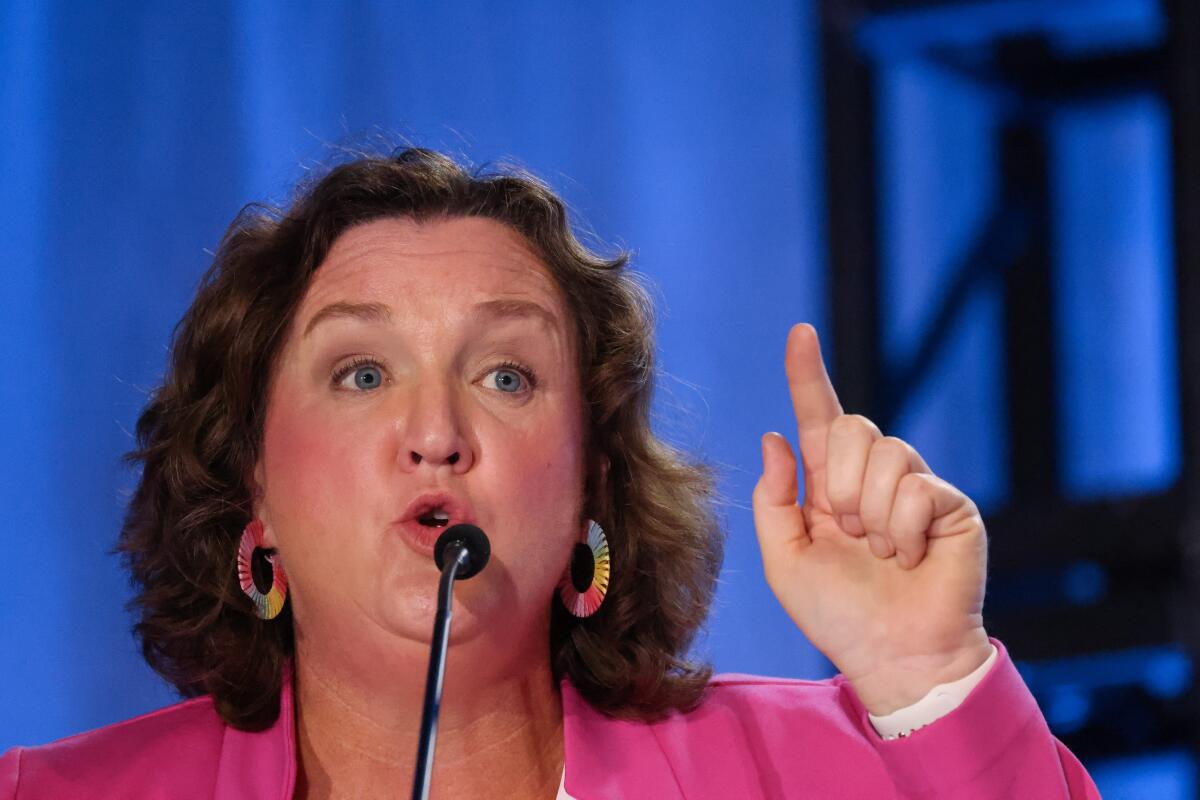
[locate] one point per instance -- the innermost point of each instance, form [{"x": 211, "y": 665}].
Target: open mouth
[
  {"x": 434, "y": 518},
  {"x": 429, "y": 515}
]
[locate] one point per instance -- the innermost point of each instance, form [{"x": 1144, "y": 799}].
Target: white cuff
[{"x": 940, "y": 701}]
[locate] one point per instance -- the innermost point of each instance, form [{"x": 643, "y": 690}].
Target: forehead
[{"x": 402, "y": 262}]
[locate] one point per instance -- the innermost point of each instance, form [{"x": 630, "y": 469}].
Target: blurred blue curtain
[{"x": 132, "y": 133}]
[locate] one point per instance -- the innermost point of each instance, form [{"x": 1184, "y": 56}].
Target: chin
[
  {"x": 408, "y": 613},
  {"x": 490, "y": 613}
]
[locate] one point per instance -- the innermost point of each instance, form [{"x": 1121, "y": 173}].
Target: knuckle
[
  {"x": 973, "y": 509},
  {"x": 852, "y": 425},
  {"x": 893, "y": 444},
  {"x": 914, "y": 484},
  {"x": 891, "y": 448},
  {"x": 841, "y": 426}
]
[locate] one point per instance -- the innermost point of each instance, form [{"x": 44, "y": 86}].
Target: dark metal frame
[
  {"x": 1152, "y": 542},
  {"x": 1183, "y": 92}
]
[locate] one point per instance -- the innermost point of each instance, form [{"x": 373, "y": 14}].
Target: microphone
[
  {"x": 462, "y": 551},
  {"x": 470, "y": 538}
]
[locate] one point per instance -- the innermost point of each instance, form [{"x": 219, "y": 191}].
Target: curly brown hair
[{"x": 199, "y": 437}]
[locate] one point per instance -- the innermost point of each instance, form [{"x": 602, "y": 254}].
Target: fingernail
[
  {"x": 851, "y": 523},
  {"x": 879, "y": 545}
]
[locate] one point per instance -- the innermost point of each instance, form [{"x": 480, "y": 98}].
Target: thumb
[{"x": 778, "y": 519}]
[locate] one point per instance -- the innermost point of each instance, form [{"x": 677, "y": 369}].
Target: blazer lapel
[
  {"x": 607, "y": 758},
  {"x": 262, "y": 765}
]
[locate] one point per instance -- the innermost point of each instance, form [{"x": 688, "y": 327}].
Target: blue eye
[
  {"x": 508, "y": 380},
  {"x": 366, "y": 376}
]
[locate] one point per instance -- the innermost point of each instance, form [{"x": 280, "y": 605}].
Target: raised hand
[{"x": 882, "y": 566}]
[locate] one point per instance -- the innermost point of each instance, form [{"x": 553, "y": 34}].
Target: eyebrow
[
  {"x": 367, "y": 312},
  {"x": 517, "y": 309},
  {"x": 489, "y": 309}
]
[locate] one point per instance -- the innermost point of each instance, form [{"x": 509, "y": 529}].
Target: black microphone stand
[{"x": 457, "y": 551}]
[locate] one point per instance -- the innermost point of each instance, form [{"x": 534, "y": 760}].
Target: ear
[
  {"x": 255, "y": 485},
  {"x": 602, "y": 465},
  {"x": 597, "y": 484}
]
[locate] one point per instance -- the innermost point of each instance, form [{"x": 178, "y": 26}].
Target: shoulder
[
  {"x": 738, "y": 708},
  {"x": 767, "y": 705},
  {"x": 170, "y": 748},
  {"x": 736, "y": 693},
  {"x": 775, "y": 737},
  {"x": 739, "y": 688},
  {"x": 734, "y": 704},
  {"x": 795, "y": 730}
]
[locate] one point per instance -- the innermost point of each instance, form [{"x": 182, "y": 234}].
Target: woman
[{"x": 412, "y": 346}]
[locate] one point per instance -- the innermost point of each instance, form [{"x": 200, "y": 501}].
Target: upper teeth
[{"x": 441, "y": 515}]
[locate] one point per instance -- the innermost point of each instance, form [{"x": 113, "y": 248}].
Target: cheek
[
  {"x": 313, "y": 470},
  {"x": 545, "y": 470}
]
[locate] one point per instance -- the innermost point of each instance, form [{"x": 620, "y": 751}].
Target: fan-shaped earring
[
  {"x": 585, "y": 583},
  {"x": 254, "y": 559}
]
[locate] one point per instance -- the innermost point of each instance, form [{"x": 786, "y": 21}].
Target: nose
[{"x": 434, "y": 432}]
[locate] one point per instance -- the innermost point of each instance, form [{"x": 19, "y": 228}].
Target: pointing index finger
[
  {"x": 813, "y": 398},
  {"x": 815, "y": 404}
]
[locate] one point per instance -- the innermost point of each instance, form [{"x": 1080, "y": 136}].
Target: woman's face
[{"x": 429, "y": 372}]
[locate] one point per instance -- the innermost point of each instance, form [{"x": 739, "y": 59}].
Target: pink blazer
[{"x": 752, "y": 737}]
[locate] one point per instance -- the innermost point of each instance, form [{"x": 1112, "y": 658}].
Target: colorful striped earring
[
  {"x": 254, "y": 559},
  {"x": 585, "y": 582}
]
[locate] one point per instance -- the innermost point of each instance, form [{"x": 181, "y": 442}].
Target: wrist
[{"x": 899, "y": 683}]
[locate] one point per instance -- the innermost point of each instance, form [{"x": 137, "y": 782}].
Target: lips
[{"x": 428, "y": 515}]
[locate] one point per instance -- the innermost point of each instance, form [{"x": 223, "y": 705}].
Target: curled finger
[
  {"x": 850, "y": 440},
  {"x": 912, "y": 517}
]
